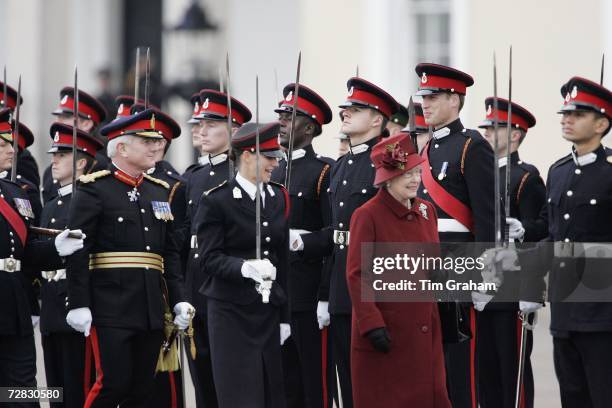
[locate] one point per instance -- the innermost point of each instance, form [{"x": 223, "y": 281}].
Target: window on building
[{"x": 431, "y": 22}]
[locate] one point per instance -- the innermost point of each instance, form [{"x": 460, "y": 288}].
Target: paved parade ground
[{"x": 546, "y": 393}]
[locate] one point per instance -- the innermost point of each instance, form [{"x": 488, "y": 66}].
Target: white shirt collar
[
  {"x": 584, "y": 159},
  {"x": 298, "y": 154},
  {"x": 360, "y": 148},
  {"x": 250, "y": 187},
  {"x": 203, "y": 159},
  {"x": 64, "y": 191},
  {"x": 216, "y": 159},
  {"x": 3, "y": 174},
  {"x": 441, "y": 133},
  {"x": 501, "y": 162}
]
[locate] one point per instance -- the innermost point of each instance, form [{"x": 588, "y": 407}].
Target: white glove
[
  {"x": 258, "y": 270},
  {"x": 323, "y": 314},
  {"x": 515, "y": 228},
  {"x": 285, "y": 332},
  {"x": 295, "y": 241},
  {"x": 80, "y": 320},
  {"x": 183, "y": 313},
  {"x": 480, "y": 300},
  {"x": 529, "y": 307},
  {"x": 35, "y": 320},
  {"x": 67, "y": 246}
]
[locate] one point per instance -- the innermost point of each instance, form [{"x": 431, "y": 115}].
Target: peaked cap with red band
[
  {"x": 521, "y": 117},
  {"x": 244, "y": 139},
  {"x": 309, "y": 104},
  {"x": 213, "y": 106},
  {"x": 435, "y": 78},
  {"x": 123, "y": 104},
  {"x": 11, "y": 97},
  {"x": 149, "y": 123},
  {"x": 419, "y": 120},
  {"x": 62, "y": 140},
  {"x": 394, "y": 156},
  {"x": 366, "y": 94},
  {"x": 89, "y": 107},
  {"x": 7, "y": 126},
  {"x": 584, "y": 95},
  {"x": 195, "y": 102}
]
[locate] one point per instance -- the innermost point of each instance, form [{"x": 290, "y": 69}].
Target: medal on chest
[
  {"x": 133, "y": 195},
  {"x": 24, "y": 207},
  {"x": 162, "y": 210}
]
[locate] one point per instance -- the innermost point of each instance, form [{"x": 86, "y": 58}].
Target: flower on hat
[{"x": 395, "y": 156}]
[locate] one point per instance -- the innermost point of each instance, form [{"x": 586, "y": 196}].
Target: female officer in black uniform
[{"x": 248, "y": 316}]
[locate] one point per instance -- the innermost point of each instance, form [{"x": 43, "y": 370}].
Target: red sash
[
  {"x": 443, "y": 198},
  {"x": 14, "y": 220}
]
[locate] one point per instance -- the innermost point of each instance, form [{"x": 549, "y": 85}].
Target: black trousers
[
  {"x": 18, "y": 365},
  {"x": 583, "y": 364},
  {"x": 340, "y": 332},
  {"x": 201, "y": 367},
  {"x": 125, "y": 366},
  {"x": 497, "y": 351},
  {"x": 65, "y": 356},
  {"x": 302, "y": 362},
  {"x": 461, "y": 369},
  {"x": 167, "y": 390}
]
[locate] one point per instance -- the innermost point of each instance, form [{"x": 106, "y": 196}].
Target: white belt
[
  {"x": 194, "y": 242},
  {"x": 583, "y": 250},
  {"x": 10, "y": 265},
  {"x": 451, "y": 225},
  {"x": 54, "y": 275},
  {"x": 341, "y": 237}
]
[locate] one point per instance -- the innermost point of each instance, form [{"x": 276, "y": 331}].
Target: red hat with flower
[{"x": 394, "y": 156}]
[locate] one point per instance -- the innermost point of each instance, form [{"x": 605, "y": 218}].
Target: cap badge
[
  {"x": 64, "y": 100},
  {"x": 489, "y": 110},
  {"x": 574, "y": 92},
  {"x": 289, "y": 96},
  {"x": 120, "y": 109},
  {"x": 567, "y": 97},
  {"x": 351, "y": 91},
  {"x": 152, "y": 123},
  {"x": 56, "y": 137},
  {"x": 196, "y": 107},
  {"x": 205, "y": 104},
  {"x": 424, "y": 78}
]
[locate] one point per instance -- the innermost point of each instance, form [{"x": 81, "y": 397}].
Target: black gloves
[{"x": 380, "y": 339}]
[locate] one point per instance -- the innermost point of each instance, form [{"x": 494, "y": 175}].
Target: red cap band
[
  {"x": 271, "y": 144},
  {"x": 65, "y": 139},
  {"x": 590, "y": 99},
  {"x": 438, "y": 82},
  {"x": 360, "y": 96},
  {"x": 503, "y": 117},
  {"x": 221, "y": 110},
  {"x": 306, "y": 106},
  {"x": 68, "y": 103}
]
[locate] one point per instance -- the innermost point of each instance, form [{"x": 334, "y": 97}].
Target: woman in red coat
[{"x": 396, "y": 347}]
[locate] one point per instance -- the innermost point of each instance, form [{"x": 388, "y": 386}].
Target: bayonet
[
  {"x": 508, "y": 164},
  {"x": 147, "y": 79},
  {"x": 296, "y": 90},
  {"x": 137, "y": 75},
  {"x": 229, "y": 113},
  {"x": 75, "y": 119},
  {"x": 16, "y": 133},
  {"x": 497, "y": 193}
]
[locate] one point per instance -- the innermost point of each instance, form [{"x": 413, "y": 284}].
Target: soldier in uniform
[
  {"x": 196, "y": 139},
  {"x": 365, "y": 114},
  {"x": 19, "y": 250},
  {"x": 579, "y": 218},
  {"x": 91, "y": 114},
  {"x": 128, "y": 273},
  {"x": 303, "y": 366},
  {"x": 458, "y": 178},
  {"x": 26, "y": 138},
  {"x": 499, "y": 325},
  {"x": 213, "y": 170},
  {"x": 26, "y": 165},
  {"x": 398, "y": 121},
  {"x": 421, "y": 127},
  {"x": 247, "y": 305},
  {"x": 66, "y": 362}
]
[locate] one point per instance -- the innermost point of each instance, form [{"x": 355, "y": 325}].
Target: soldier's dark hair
[
  {"x": 89, "y": 161},
  {"x": 234, "y": 155}
]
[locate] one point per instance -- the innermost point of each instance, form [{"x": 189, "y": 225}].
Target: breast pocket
[
  {"x": 124, "y": 226},
  {"x": 302, "y": 199},
  {"x": 362, "y": 191},
  {"x": 591, "y": 213}
]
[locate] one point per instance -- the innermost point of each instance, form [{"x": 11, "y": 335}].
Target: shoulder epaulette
[
  {"x": 156, "y": 180},
  {"x": 215, "y": 188},
  {"x": 561, "y": 161},
  {"x": 274, "y": 183},
  {"x": 89, "y": 178},
  {"x": 324, "y": 159},
  {"x": 286, "y": 194}
]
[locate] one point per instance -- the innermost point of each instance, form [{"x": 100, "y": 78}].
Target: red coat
[{"x": 412, "y": 374}]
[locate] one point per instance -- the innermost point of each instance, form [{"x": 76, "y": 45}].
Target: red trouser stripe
[
  {"x": 173, "y": 403},
  {"x": 95, "y": 390},
  {"x": 473, "y": 358},
  {"x": 324, "y": 364},
  {"x": 87, "y": 373}
]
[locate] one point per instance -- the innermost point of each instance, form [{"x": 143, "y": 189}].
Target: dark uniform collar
[
  {"x": 303, "y": 152},
  {"x": 363, "y": 147},
  {"x": 514, "y": 159},
  {"x": 65, "y": 190},
  {"x": 591, "y": 157},
  {"x": 453, "y": 127}
]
